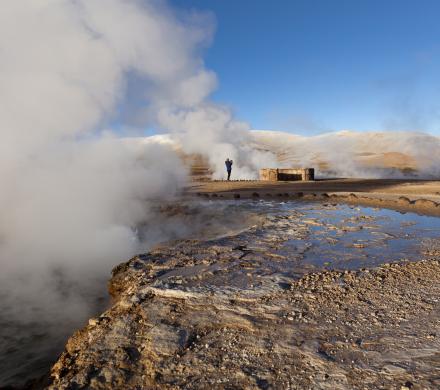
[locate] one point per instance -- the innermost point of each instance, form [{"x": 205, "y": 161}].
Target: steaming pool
[{"x": 300, "y": 237}]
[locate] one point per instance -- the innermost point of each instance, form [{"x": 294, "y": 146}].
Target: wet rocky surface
[
  {"x": 36, "y": 322},
  {"x": 269, "y": 307}
]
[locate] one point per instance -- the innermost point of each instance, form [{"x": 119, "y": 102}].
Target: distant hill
[
  {"x": 342, "y": 154},
  {"x": 350, "y": 153}
]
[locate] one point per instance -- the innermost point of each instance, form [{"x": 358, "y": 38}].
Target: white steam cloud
[
  {"x": 210, "y": 130},
  {"x": 71, "y": 193}
]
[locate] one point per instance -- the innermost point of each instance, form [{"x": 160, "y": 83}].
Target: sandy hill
[
  {"x": 344, "y": 153},
  {"x": 353, "y": 153}
]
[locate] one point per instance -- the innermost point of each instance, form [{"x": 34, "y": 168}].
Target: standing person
[{"x": 228, "y": 164}]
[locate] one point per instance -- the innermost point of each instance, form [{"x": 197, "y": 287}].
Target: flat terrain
[
  {"x": 413, "y": 188},
  {"x": 421, "y": 196}
]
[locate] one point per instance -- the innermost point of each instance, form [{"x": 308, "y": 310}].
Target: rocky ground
[{"x": 224, "y": 314}]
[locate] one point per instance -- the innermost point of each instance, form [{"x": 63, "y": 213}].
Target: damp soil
[{"x": 310, "y": 296}]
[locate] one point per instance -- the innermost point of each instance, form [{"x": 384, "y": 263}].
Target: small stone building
[{"x": 287, "y": 174}]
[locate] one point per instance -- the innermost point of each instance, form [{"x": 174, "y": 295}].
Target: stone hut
[{"x": 287, "y": 174}]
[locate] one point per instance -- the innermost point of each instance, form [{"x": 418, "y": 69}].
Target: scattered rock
[
  {"x": 425, "y": 203},
  {"x": 403, "y": 200}
]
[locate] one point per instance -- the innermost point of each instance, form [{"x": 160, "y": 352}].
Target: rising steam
[{"x": 72, "y": 196}]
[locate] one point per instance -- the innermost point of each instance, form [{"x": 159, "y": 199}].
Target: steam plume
[
  {"x": 389, "y": 154},
  {"x": 72, "y": 194}
]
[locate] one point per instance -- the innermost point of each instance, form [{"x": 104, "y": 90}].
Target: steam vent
[{"x": 287, "y": 174}]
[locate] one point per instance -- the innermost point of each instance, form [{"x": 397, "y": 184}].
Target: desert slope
[
  {"x": 356, "y": 154},
  {"x": 340, "y": 154}
]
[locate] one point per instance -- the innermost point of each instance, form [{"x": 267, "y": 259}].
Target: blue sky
[{"x": 309, "y": 66}]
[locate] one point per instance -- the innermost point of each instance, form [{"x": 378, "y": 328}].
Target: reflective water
[
  {"x": 327, "y": 236},
  {"x": 347, "y": 237}
]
